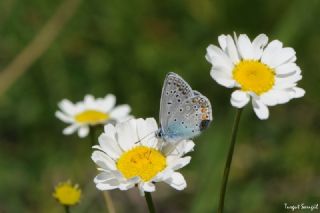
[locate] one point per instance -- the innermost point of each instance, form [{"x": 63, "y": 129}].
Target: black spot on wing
[{"x": 204, "y": 124}]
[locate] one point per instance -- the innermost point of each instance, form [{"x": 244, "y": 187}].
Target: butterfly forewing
[{"x": 175, "y": 90}]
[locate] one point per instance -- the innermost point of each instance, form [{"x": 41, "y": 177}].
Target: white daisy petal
[
  {"x": 70, "y": 129},
  {"x": 141, "y": 190},
  {"x": 282, "y": 56},
  {"x": 109, "y": 102},
  {"x": 103, "y": 160},
  {"x": 89, "y": 101},
  {"x": 83, "y": 131},
  {"x": 275, "y": 97},
  {"x": 110, "y": 131},
  {"x": 163, "y": 175},
  {"x": 258, "y": 44},
  {"x": 148, "y": 187},
  {"x": 185, "y": 146},
  {"x": 127, "y": 134},
  {"x": 287, "y": 69},
  {"x": 268, "y": 53},
  {"x": 177, "y": 163},
  {"x": 120, "y": 112},
  {"x": 269, "y": 98},
  {"x": 126, "y": 185},
  {"x": 177, "y": 181},
  {"x": 145, "y": 127},
  {"x": 109, "y": 146},
  {"x": 223, "y": 42},
  {"x": 65, "y": 118},
  {"x": 103, "y": 177},
  {"x": 232, "y": 50},
  {"x": 260, "y": 109},
  {"x": 108, "y": 185},
  {"x": 245, "y": 47},
  {"x": 67, "y": 107},
  {"x": 292, "y": 59},
  {"x": 239, "y": 98},
  {"x": 222, "y": 78},
  {"x": 218, "y": 58},
  {"x": 279, "y": 81},
  {"x": 296, "y": 92},
  {"x": 146, "y": 131}
]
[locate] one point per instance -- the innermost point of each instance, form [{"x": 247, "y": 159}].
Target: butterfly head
[{"x": 159, "y": 133}]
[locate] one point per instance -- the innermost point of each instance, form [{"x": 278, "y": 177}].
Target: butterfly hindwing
[{"x": 190, "y": 118}]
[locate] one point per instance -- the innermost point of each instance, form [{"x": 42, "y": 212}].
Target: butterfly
[{"x": 184, "y": 113}]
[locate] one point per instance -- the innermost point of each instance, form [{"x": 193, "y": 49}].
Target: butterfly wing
[
  {"x": 190, "y": 118},
  {"x": 175, "y": 90}
]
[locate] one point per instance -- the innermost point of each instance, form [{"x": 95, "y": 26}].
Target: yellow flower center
[
  {"x": 91, "y": 117},
  {"x": 67, "y": 194},
  {"x": 141, "y": 161},
  {"x": 254, "y": 76}
]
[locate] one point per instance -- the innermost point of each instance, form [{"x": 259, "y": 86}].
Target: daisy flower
[
  {"x": 91, "y": 112},
  {"x": 67, "y": 194},
  {"x": 265, "y": 72},
  {"x": 130, "y": 155}
]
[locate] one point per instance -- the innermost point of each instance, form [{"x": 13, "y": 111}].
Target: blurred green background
[{"x": 126, "y": 48}]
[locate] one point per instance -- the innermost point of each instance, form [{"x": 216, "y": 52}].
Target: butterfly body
[
  {"x": 184, "y": 112},
  {"x": 174, "y": 132}
]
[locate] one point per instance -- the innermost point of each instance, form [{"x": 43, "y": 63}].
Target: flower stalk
[
  {"x": 67, "y": 208},
  {"x": 109, "y": 203},
  {"x": 92, "y": 135},
  {"x": 106, "y": 195},
  {"x": 149, "y": 202},
  {"x": 229, "y": 160}
]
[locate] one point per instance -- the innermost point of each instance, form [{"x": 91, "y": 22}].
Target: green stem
[
  {"x": 149, "y": 202},
  {"x": 92, "y": 135},
  {"x": 109, "y": 202},
  {"x": 229, "y": 160},
  {"x": 67, "y": 208}
]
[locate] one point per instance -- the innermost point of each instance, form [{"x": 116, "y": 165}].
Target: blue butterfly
[{"x": 184, "y": 112}]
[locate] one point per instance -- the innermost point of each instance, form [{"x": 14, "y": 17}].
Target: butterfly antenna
[{"x": 145, "y": 137}]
